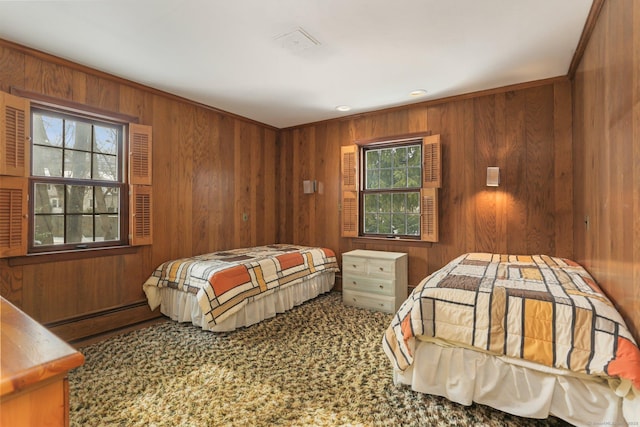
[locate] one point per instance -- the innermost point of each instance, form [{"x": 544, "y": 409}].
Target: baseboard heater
[{"x": 99, "y": 322}]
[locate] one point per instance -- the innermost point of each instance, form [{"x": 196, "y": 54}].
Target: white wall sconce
[
  {"x": 493, "y": 176},
  {"x": 309, "y": 186}
]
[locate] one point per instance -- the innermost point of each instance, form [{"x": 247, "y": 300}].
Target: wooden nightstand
[{"x": 374, "y": 279}]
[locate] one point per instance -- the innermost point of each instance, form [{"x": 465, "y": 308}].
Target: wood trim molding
[
  {"x": 391, "y": 139},
  {"x": 75, "y": 107},
  {"x": 592, "y": 19},
  {"x": 40, "y": 258}
]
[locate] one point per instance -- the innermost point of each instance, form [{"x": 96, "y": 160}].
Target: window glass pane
[
  {"x": 384, "y": 223},
  {"x": 400, "y": 157},
  {"x": 47, "y": 130},
  {"x": 371, "y": 203},
  {"x": 373, "y": 159},
  {"x": 106, "y": 140},
  {"x": 48, "y": 230},
  {"x": 385, "y": 179},
  {"x": 399, "y": 201},
  {"x": 107, "y": 227},
  {"x": 399, "y": 178},
  {"x": 385, "y": 202},
  {"x": 413, "y": 177},
  {"x": 47, "y": 161},
  {"x": 398, "y": 224},
  {"x": 79, "y": 199},
  {"x": 413, "y": 202},
  {"x": 386, "y": 158},
  {"x": 105, "y": 167},
  {"x": 414, "y": 155},
  {"x": 79, "y": 228},
  {"x": 373, "y": 179},
  {"x": 413, "y": 225},
  {"x": 371, "y": 223},
  {"x": 77, "y": 135},
  {"x": 107, "y": 200},
  {"x": 49, "y": 198},
  {"x": 77, "y": 164}
]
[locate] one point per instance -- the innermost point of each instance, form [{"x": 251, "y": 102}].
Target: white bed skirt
[
  {"x": 183, "y": 307},
  {"x": 465, "y": 376}
]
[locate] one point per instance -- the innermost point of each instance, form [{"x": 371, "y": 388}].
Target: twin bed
[
  {"x": 226, "y": 290},
  {"x": 529, "y": 335}
]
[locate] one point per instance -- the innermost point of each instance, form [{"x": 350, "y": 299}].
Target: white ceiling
[{"x": 371, "y": 53}]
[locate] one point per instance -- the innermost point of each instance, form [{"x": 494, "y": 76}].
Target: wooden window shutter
[
  {"x": 13, "y": 216},
  {"x": 14, "y": 135},
  {"x": 429, "y": 214},
  {"x": 140, "y": 172},
  {"x": 431, "y": 181},
  {"x": 140, "y": 225},
  {"x": 431, "y": 162},
  {"x": 349, "y": 167},
  {"x": 349, "y": 214},
  {"x": 349, "y": 164},
  {"x": 140, "y": 154}
]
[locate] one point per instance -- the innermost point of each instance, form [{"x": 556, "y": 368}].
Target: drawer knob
[
  {"x": 354, "y": 266},
  {"x": 354, "y": 282},
  {"x": 381, "y": 268},
  {"x": 381, "y": 287}
]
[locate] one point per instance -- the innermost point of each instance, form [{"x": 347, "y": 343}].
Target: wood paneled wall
[
  {"x": 209, "y": 169},
  {"x": 526, "y": 131},
  {"x": 606, "y": 123}
]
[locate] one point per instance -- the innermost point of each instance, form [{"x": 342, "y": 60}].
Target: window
[
  {"x": 71, "y": 179},
  {"x": 393, "y": 194},
  {"x": 77, "y": 182}
]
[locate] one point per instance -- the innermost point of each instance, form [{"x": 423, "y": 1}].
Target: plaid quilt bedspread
[
  {"x": 225, "y": 281},
  {"x": 539, "y": 308}
]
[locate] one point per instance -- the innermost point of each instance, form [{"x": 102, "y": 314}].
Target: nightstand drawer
[
  {"x": 372, "y": 302},
  {"x": 354, "y": 264},
  {"x": 381, "y": 267},
  {"x": 369, "y": 284}
]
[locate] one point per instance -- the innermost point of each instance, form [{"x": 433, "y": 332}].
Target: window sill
[
  {"x": 45, "y": 257},
  {"x": 393, "y": 241}
]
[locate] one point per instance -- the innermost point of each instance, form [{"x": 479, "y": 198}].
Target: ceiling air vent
[{"x": 297, "y": 41}]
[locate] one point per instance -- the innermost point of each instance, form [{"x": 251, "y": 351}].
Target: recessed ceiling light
[
  {"x": 418, "y": 92},
  {"x": 343, "y": 108}
]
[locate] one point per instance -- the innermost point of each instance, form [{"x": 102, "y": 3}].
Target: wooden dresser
[{"x": 34, "y": 363}]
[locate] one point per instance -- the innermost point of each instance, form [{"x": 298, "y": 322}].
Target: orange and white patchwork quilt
[
  {"x": 543, "y": 309},
  {"x": 225, "y": 281}
]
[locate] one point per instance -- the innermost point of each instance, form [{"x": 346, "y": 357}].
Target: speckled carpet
[{"x": 320, "y": 364}]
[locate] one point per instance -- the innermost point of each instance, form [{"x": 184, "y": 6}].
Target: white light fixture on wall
[
  {"x": 309, "y": 187},
  {"x": 493, "y": 176}
]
